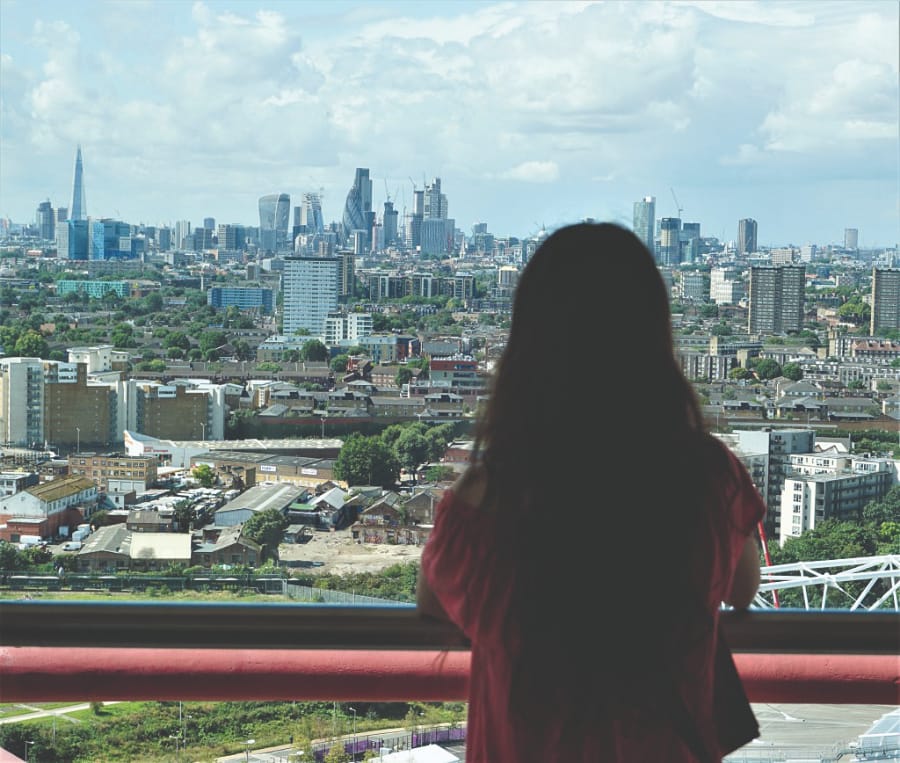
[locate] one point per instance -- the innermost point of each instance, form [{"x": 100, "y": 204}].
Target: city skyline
[{"x": 532, "y": 114}]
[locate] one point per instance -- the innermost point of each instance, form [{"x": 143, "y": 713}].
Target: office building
[
  {"x": 232, "y": 237},
  {"x": 274, "y": 215},
  {"x": 885, "y": 314},
  {"x": 79, "y": 202},
  {"x": 209, "y": 222},
  {"x": 644, "y": 221},
  {"x": 311, "y": 214},
  {"x": 182, "y": 232},
  {"x": 46, "y": 221},
  {"x": 358, "y": 214},
  {"x": 746, "y": 243},
  {"x": 851, "y": 238},
  {"x": 310, "y": 288},
  {"x": 776, "y": 299},
  {"x": 389, "y": 224}
]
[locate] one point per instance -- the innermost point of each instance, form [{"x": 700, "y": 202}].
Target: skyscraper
[
  {"x": 358, "y": 214},
  {"x": 311, "y": 286},
  {"x": 746, "y": 236},
  {"x": 885, "y": 300},
  {"x": 46, "y": 221},
  {"x": 274, "y": 214},
  {"x": 776, "y": 299},
  {"x": 311, "y": 213},
  {"x": 851, "y": 238},
  {"x": 644, "y": 220},
  {"x": 79, "y": 202},
  {"x": 389, "y": 221},
  {"x": 669, "y": 241}
]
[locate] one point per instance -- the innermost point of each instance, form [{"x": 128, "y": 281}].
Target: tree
[
  {"x": 339, "y": 363},
  {"x": 792, "y": 371},
  {"x": 315, "y": 351},
  {"x": 266, "y": 528},
  {"x": 31, "y": 344},
  {"x": 412, "y": 448},
  {"x": 204, "y": 474},
  {"x": 766, "y": 368},
  {"x": 403, "y": 376},
  {"x": 366, "y": 461}
]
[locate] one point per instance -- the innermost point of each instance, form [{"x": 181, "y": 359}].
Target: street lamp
[
  {"x": 353, "y": 710},
  {"x": 27, "y": 742},
  {"x": 78, "y": 439},
  {"x": 203, "y": 429},
  {"x": 249, "y": 743},
  {"x": 323, "y": 426}
]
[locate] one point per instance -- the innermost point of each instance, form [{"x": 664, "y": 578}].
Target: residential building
[
  {"x": 885, "y": 314},
  {"x": 22, "y": 401},
  {"x": 830, "y": 485},
  {"x": 311, "y": 287},
  {"x": 776, "y": 447},
  {"x": 726, "y": 286},
  {"x": 776, "y": 300},
  {"x": 249, "y": 298}
]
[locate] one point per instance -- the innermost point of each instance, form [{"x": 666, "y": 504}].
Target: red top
[{"x": 460, "y": 564}]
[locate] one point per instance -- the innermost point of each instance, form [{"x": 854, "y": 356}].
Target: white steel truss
[{"x": 823, "y": 583}]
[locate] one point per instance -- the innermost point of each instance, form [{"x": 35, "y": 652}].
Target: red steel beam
[{"x": 43, "y": 674}]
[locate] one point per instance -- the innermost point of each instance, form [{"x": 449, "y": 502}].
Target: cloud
[{"x": 533, "y": 172}]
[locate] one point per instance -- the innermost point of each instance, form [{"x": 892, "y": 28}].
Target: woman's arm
[
  {"x": 426, "y": 602},
  {"x": 746, "y": 577}
]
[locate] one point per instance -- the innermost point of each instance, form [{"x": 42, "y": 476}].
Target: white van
[{"x": 72, "y": 545}]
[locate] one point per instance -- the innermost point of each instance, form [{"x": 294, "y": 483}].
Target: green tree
[
  {"x": 266, "y": 528},
  {"x": 315, "y": 351},
  {"x": 204, "y": 474},
  {"x": 339, "y": 363},
  {"x": 403, "y": 376},
  {"x": 122, "y": 336},
  {"x": 792, "y": 371},
  {"x": 31, "y": 344},
  {"x": 766, "y": 368},
  {"x": 366, "y": 461},
  {"x": 411, "y": 449}
]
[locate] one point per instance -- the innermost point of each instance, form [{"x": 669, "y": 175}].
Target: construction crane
[{"x": 677, "y": 204}]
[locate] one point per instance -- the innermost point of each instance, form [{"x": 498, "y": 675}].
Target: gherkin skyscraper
[{"x": 78, "y": 210}]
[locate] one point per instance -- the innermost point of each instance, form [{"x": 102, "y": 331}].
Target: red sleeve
[{"x": 459, "y": 563}]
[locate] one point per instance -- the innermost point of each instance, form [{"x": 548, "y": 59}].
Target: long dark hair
[{"x": 603, "y": 484}]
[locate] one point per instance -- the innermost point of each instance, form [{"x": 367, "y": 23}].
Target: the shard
[{"x": 78, "y": 210}]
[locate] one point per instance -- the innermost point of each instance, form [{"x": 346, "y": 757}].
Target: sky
[{"x": 532, "y": 114}]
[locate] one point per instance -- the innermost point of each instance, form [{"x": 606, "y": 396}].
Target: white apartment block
[
  {"x": 340, "y": 326},
  {"x": 311, "y": 289},
  {"x": 827, "y": 485},
  {"x": 726, "y": 286}
]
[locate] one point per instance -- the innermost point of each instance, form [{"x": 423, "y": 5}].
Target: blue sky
[{"x": 531, "y": 113}]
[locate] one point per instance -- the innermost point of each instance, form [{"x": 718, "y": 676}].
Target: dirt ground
[{"x": 336, "y": 553}]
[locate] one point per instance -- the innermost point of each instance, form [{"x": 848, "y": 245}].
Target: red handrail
[{"x": 42, "y": 674}]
